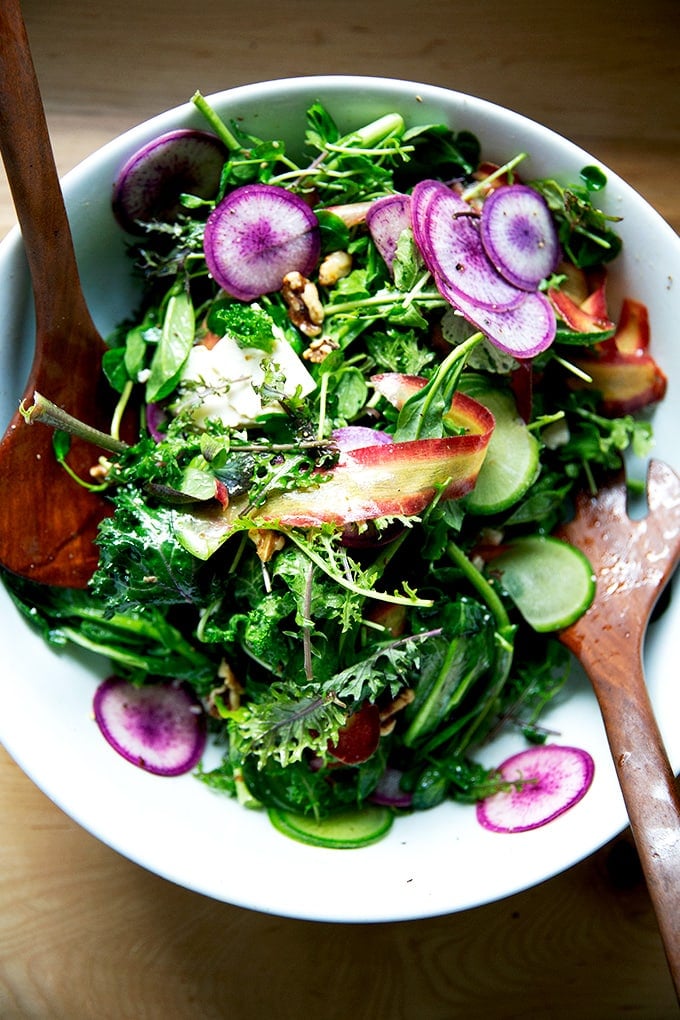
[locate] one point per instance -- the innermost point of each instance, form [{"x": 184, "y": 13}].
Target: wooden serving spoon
[
  {"x": 633, "y": 560},
  {"x": 47, "y": 523}
]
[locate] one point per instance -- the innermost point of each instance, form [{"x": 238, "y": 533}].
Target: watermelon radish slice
[
  {"x": 519, "y": 235},
  {"x": 159, "y": 727},
  {"x": 554, "y": 779},
  {"x": 523, "y": 331},
  {"x": 257, "y": 235},
  {"x": 149, "y": 185},
  {"x": 447, "y": 233},
  {"x": 386, "y": 220}
]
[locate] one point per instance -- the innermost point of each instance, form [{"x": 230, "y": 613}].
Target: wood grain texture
[{"x": 85, "y": 933}]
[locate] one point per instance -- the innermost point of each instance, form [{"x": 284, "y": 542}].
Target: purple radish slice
[
  {"x": 386, "y": 220},
  {"x": 149, "y": 185},
  {"x": 257, "y": 235},
  {"x": 451, "y": 246},
  {"x": 389, "y": 793},
  {"x": 159, "y": 727},
  {"x": 421, "y": 196},
  {"x": 554, "y": 779},
  {"x": 357, "y": 437},
  {"x": 156, "y": 420},
  {"x": 523, "y": 331},
  {"x": 519, "y": 235}
]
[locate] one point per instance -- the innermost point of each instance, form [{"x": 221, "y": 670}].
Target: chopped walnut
[
  {"x": 334, "y": 267},
  {"x": 231, "y": 686},
  {"x": 304, "y": 307},
  {"x": 388, "y": 714},
  {"x": 266, "y": 542},
  {"x": 319, "y": 349}
]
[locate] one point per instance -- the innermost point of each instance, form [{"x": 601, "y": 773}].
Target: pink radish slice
[
  {"x": 159, "y": 727},
  {"x": 255, "y": 236},
  {"x": 519, "y": 235},
  {"x": 523, "y": 331},
  {"x": 150, "y": 183},
  {"x": 448, "y": 236},
  {"x": 387, "y": 219},
  {"x": 555, "y": 778}
]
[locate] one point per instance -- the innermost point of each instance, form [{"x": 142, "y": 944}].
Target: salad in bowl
[{"x": 365, "y": 355}]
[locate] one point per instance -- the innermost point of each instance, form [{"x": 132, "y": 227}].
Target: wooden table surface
[{"x": 84, "y": 933}]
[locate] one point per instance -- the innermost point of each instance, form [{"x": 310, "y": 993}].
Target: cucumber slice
[
  {"x": 346, "y": 830},
  {"x": 511, "y": 461},
  {"x": 551, "y": 582}
]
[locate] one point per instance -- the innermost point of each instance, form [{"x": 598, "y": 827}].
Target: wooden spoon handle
[
  {"x": 32, "y": 174},
  {"x": 650, "y": 792}
]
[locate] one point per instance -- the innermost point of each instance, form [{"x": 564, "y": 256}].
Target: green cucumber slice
[
  {"x": 551, "y": 582},
  {"x": 346, "y": 830},
  {"x": 512, "y": 457}
]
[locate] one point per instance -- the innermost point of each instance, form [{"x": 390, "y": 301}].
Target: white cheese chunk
[{"x": 223, "y": 382}]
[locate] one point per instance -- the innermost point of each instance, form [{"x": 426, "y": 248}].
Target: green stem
[
  {"x": 424, "y": 410},
  {"x": 120, "y": 409},
  {"x": 432, "y": 298},
  {"x": 345, "y": 582},
  {"x": 47, "y": 413},
  {"x": 216, "y": 123},
  {"x": 484, "y": 589},
  {"x": 474, "y": 189},
  {"x": 504, "y": 640}
]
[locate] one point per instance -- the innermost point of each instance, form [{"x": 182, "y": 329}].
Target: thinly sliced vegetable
[
  {"x": 519, "y": 235},
  {"x": 551, "y": 779},
  {"x": 620, "y": 368},
  {"x": 355, "y": 437},
  {"x": 387, "y": 219},
  {"x": 159, "y": 727},
  {"x": 346, "y": 830},
  {"x": 522, "y": 331},
  {"x": 447, "y": 232},
  {"x": 423, "y": 194},
  {"x": 551, "y": 582},
  {"x": 384, "y": 480},
  {"x": 255, "y": 236},
  {"x": 149, "y": 185},
  {"x": 512, "y": 459},
  {"x": 578, "y": 316}
]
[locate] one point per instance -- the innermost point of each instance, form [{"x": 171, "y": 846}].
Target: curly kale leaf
[
  {"x": 289, "y": 718},
  {"x": 141, "y": 562}
]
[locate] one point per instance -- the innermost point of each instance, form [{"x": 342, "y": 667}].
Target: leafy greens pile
[{"x": 331, "y": 656}]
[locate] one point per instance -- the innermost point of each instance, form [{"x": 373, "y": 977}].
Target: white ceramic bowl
[{"x": 432, "y": 863}]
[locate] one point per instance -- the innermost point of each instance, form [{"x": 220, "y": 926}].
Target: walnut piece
[
  {"x": 304, "y": 306},
  {"x": 388, "y": 714},
  {"x": 267, "y": 542},
  {"x": 334, "y": 267}
]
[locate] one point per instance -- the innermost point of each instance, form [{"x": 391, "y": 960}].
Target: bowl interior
[{"x": 432, "y": 863}]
